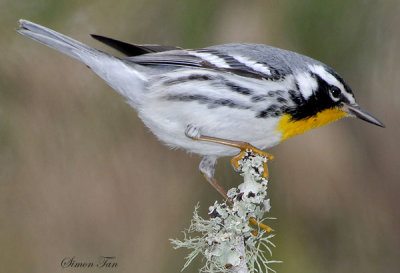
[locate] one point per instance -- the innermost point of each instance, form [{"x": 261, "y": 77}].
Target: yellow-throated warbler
[{"x": 232, "y": 94}]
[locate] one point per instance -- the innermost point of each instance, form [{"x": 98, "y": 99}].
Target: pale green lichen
[{"x": 226, "y": 240}]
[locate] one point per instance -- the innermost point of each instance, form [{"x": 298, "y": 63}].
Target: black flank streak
[
  {"x": 200, "y": 98},
  {"x": 200, "y": 77},
  {"x": 272, "y": 111},
  {"x": 275, "y": 93},
  {"x": 225, "y": 102},
  {"x": 239, "y": 89},
  {"x": 192, "y": 77},
  {"x": 270, "y": 94},
  {"x": 214, "y": 80},
  {"x": 258, "y": 98},
  {"x": 211, "y": 103},
  {"x": 262, "y": 114},
  {"x": 281, "y": 100}
]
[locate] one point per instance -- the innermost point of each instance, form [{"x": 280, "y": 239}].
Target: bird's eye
[{"x": 335, "y": 92}]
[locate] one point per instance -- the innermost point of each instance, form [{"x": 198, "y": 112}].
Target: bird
[{"x": 216, "y": 101}]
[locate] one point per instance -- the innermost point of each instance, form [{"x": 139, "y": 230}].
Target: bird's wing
[
  {"x": 207, "y": 58},
  {"x": 249, "y": 60}
]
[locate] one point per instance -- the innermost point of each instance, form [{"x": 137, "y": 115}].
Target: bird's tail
[{"x": 124, "y": 78}]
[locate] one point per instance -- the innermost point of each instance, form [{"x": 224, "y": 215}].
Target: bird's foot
[
  {"x": 244, "y": 147},
  {"x": 259, "y": 224}
]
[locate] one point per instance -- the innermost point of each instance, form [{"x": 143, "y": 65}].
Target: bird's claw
[
  {"x": 260, "y": 225},
  {"x": 192, "y": 132},
  {"x": 235, "y": 161}
]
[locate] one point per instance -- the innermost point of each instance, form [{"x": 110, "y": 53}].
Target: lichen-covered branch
[{"x": 226, "y": 240}]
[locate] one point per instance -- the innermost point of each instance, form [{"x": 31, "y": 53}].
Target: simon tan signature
[{"x": 100, "y": 262}]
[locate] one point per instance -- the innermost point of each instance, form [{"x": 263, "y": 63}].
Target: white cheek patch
[
  {"x": 307, "y": 84},
  {"x": 254, "y": 65},
  {"x": 211, "y": 58}
]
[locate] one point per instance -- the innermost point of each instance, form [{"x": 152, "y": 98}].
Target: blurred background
[{"x": 81, "y": 176}]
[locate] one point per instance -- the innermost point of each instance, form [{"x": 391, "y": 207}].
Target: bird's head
[
  {"x": 322, "y": 90},
  {"x": 322, "y": 96}
]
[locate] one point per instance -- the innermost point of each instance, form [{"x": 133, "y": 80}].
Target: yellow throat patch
[{"x": 289, "y": 127}]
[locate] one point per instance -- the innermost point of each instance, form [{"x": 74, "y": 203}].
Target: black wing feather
[
  {"x": 176, "y": 56},
  {"x": 132, "y": 49}
]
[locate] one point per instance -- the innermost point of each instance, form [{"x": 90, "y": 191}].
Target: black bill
[{"x": 357, "y": 111}]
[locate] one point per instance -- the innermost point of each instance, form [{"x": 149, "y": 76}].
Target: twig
[{"x": 226, "y": 240}]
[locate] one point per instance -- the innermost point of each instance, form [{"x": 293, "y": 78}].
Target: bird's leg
[
  {"x": 207, "y": 164},
  {"x": 194, "y": 134},
  {"x": 207, "y": 167}
]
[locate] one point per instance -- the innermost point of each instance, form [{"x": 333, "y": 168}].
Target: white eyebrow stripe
[
  {"x": 325, "y": 75},
  {"x": 254, "y": 65},
  {"x": 211, "y": 58},
  {"x": 330, "y": 79}
]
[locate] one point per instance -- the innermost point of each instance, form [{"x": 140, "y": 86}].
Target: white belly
[{"x": 168, "y": 121}]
